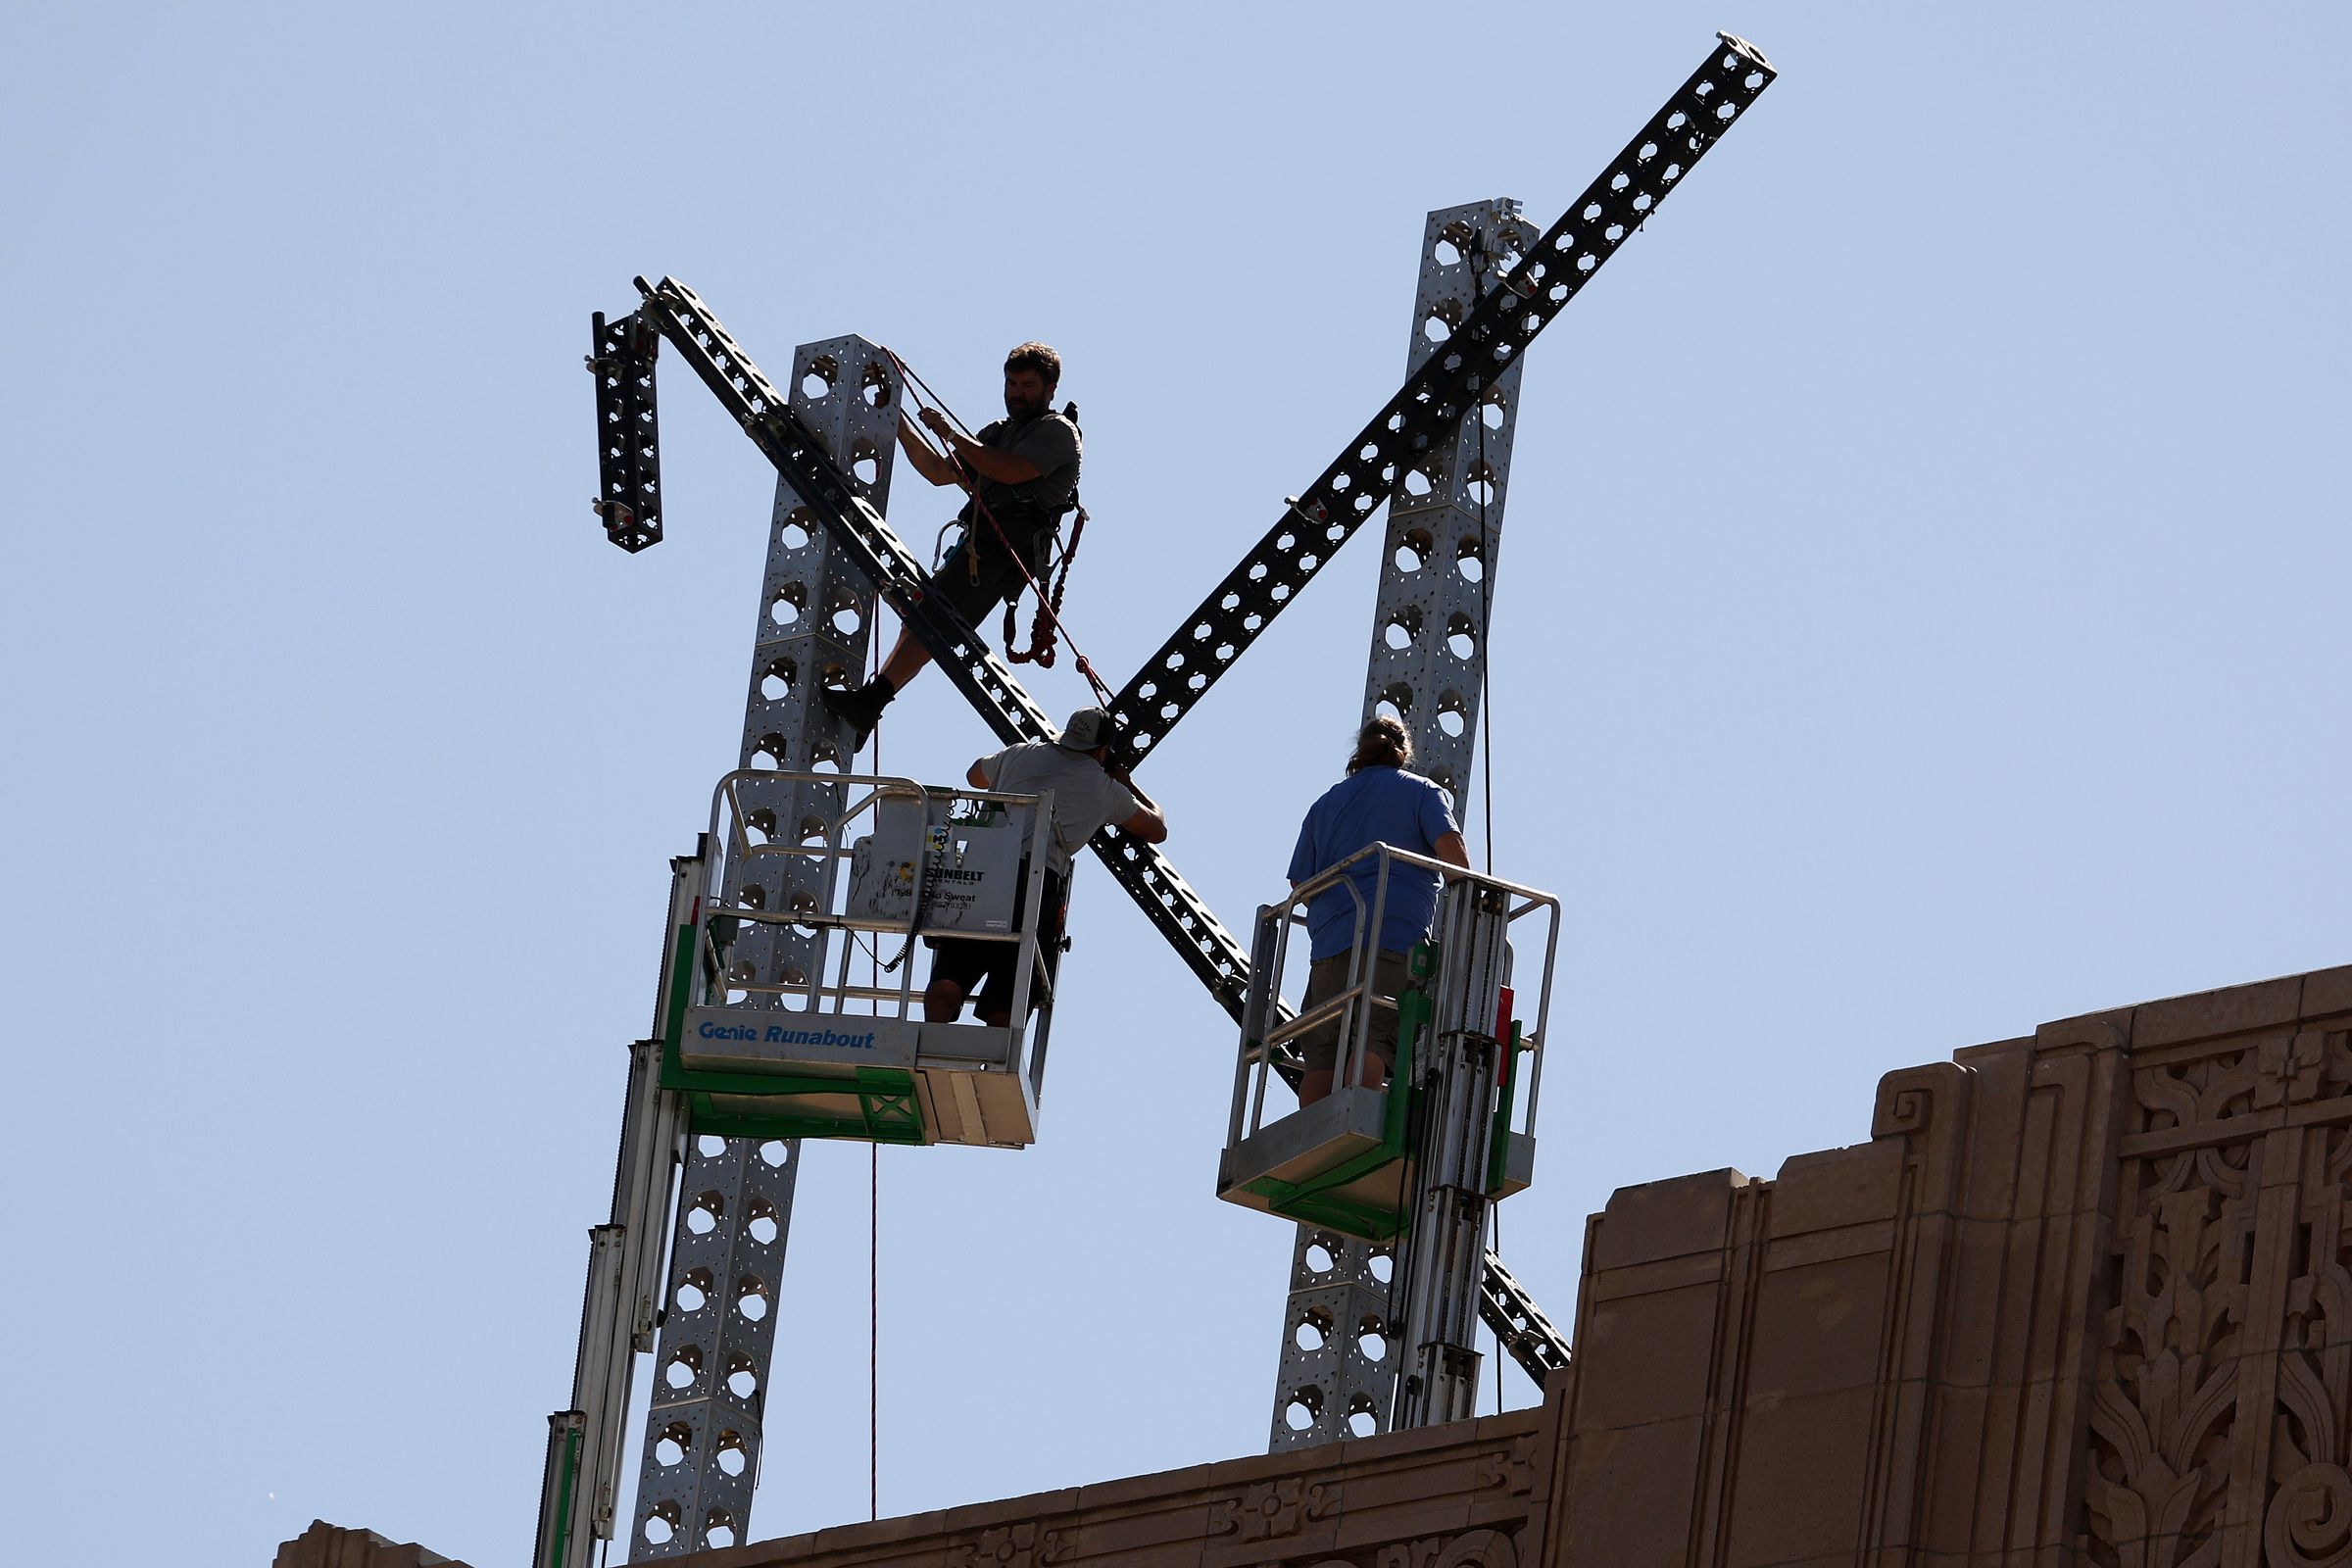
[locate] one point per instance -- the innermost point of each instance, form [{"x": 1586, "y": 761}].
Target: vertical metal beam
[
  {"x": 702, "y": 1434},
  {"x": 1428, "y": 667}
]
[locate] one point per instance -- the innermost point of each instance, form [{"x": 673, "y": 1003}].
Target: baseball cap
[{"x": 1088, "y": 728}]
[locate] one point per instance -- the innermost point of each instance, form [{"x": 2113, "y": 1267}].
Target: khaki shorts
[{"x": 1327, "y": 978}]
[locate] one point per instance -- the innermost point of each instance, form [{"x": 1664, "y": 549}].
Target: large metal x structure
[{"x": 1424, "y": 412}]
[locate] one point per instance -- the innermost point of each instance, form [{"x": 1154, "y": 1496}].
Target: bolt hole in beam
[
  {"x": 1461, "y": 635},
  {"x": 1414, "y": 549},
  {"x": 670, "y": 1448},
  {"x": 694, "y": 1291},
  {"x": 661, "y": 1523}
]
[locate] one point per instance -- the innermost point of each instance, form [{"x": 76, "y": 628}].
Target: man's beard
[{"x": 1022, "y": 411}]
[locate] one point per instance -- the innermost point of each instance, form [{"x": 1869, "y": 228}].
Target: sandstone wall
[{"x": 2083, "y": 1298}]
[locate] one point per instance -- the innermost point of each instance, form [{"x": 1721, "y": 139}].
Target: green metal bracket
[
  {"x": 556, "y": 1547},
  {"x": 1310, "y": 1201},
  {"x": 889, "y": 1110}
]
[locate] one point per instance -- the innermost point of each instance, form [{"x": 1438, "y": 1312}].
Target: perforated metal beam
[
  {"x": 628, "y": 453},
  {"x": 1409, "y": 433},
  {"x": 1344, "y": 1337},
  {"x": 705, "y": 1426}
]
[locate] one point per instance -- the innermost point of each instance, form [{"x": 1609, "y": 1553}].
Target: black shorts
[
  {"x": 984, "y": 970},
  {"x": 999, "y": 579}
]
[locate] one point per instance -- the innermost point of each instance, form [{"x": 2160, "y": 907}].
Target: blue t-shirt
[{"x": 1372, "y": 806}]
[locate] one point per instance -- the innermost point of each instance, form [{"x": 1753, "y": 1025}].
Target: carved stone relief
[{"x": 2217, "y": 1428}]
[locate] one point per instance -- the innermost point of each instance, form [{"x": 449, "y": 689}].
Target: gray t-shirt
[
  {"x": 1051, "y": 443},
  {"x": 1084, "y": 797}
]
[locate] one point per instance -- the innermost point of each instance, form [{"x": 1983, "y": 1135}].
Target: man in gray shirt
[
  {"x": 1023, "y": 473},
  {"x": 1086, "y": 795}
]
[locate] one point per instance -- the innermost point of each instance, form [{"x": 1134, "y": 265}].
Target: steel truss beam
[
  {"x": 1174, "y": 908},
  {"x": 1345, "y": 1331},
  {"x": 1429, "y": 408},
  {"x": 705, "y": 1426}
]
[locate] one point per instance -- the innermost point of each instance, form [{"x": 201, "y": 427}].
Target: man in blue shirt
[{"x": 1377, "y": 802}]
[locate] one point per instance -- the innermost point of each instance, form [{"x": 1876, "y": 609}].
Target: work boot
[{"x": 860, "y": 708}]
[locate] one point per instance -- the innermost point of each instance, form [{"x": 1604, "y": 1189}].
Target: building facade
[{"x": 2082, "y": 1296}]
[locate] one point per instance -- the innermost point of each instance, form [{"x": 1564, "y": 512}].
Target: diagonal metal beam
[{"x": 1429, "y": 405}]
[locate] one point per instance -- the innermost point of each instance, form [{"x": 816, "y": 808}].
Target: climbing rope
[{"x": 1049, "y": 606}]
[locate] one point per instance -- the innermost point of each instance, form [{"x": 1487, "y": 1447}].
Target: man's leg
[
  {"x": 908, "y": 657},
  {"x": 861, "y": 707},
  {"x": 1325, "y": 979},
  {"x": 1376, "y": 1062},
  {"x": 943, "y": 1001}
]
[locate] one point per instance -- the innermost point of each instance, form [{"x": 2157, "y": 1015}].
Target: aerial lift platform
[
  {"x": 1348, "y": 1162},
  {"x": 829, "y": 1053}
]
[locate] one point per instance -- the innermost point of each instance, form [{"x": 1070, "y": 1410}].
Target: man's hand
[
  {"x": 927, "y": 462},
  {"x": 940, "y": 426}
]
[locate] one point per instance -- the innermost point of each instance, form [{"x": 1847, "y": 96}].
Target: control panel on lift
[
  {"x": 796, "y": 1001},
  {"x": 1464, "y": 1034}
]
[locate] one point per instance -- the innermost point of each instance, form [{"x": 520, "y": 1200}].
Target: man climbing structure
[
  {"x": 1021, "y": 473},
  {"x": 1087, "y": 794},
  {"x": 1378, "y": 802}
]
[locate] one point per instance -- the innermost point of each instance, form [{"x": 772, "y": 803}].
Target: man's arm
[
  {"x": 1146, "y": 823},
  {"x": 1149, "y": 824},
  {"x": 1452, "y": 850},
  {"x": 990, "y": 463},
  {"x": 976, "y": 775},
  {"x": 928, "y": 462}
]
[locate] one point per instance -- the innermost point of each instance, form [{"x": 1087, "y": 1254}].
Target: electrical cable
[{"x": 874, "y": 1224}]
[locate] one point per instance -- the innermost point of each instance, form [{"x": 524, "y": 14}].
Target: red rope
[
  {"x": 1041, "y": 628},
  {"x": 1046, "y": 610}
]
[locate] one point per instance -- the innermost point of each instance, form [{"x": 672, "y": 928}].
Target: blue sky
[{"x": 1920, "y": 617}]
